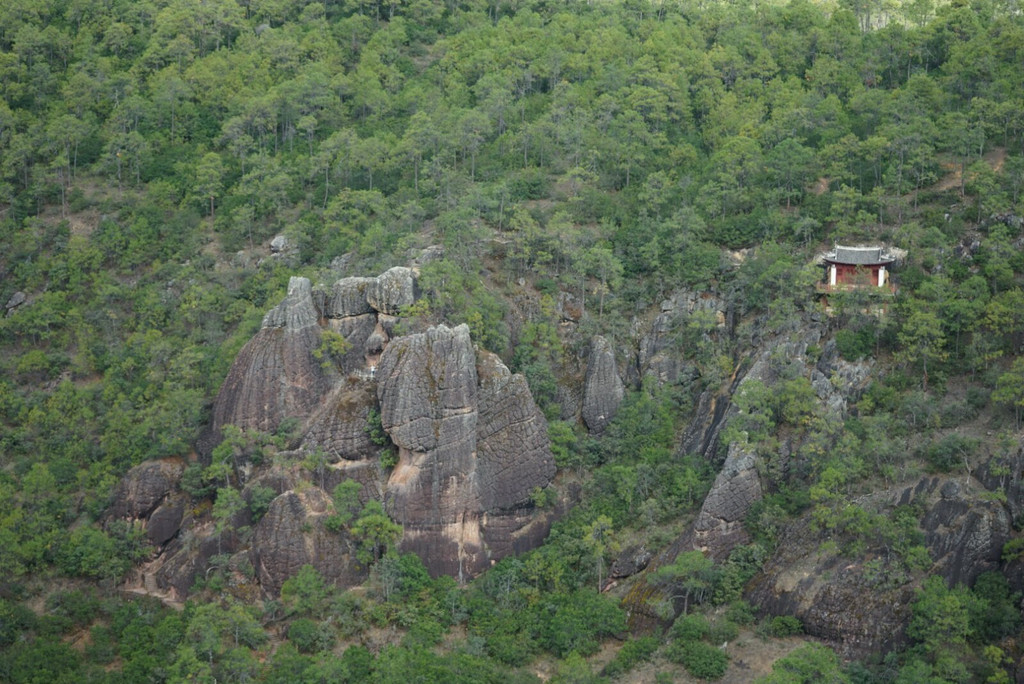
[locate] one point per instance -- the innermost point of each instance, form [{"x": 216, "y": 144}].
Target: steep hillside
[{"x": 490, "y": 341}]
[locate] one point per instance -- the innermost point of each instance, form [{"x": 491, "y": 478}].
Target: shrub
[
  {"x": 854, "y": 345},
  {"x": 632, "y": 652},
  {"x": 693, "y": 627},
  {"x": 784, "y": 626},
  {"x": 722, "y": 631},
  {"x": 309, "y": 637},
  {"x": 950, "y": 452},
  {"x": 701, "y": 660}
]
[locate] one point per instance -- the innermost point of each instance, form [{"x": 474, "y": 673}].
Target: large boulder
[
  {"x": 348, "y": 297},
  {"x": 603, "y": 390},
  {"x": 393, "y": 290},
  {"x": 144, "y": 488}
]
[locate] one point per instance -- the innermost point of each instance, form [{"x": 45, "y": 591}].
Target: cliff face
[
  {"x": 472, "y": 446},
  {"x": 471, "y": 443}
]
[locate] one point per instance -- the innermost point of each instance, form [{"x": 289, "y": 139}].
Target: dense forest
[{"x": 597, "y": 157}]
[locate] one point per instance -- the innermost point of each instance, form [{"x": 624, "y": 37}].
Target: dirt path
[{"x": 995, "y": 158}]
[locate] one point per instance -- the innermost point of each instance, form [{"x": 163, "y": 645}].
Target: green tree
[
  {"x": 690, "y": 577},
  {"x": 375, "y": 532},
  {"x": 209, "y": 179},
  {"x": 1009, "y": 389},
  {"x": 922, "y": 340}
]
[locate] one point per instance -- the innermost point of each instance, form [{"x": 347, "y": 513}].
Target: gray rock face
[
  {"x": 851, "y": 601},
  {"x": 512, "y": 443},
  {"x": 965, "y": 535},
  {"x": 275, "y": 374},
  {"x": 348, "y": 297},
  {"x": 471, "y": 449},
  {"x": 144, "y": 488},
  {"x": 363, "y": 338},
  {"x": 603, "y": 389},
  {"x": 16, "y": 300},
  {"x": 339, "y": 428},
  {"x": 719, "y": 525},
  {"x": 658, "y": 353},
  {"x": 427, "y": 389},
  {"x": 837, "y": 599},
  {"x": 291, "y": 534},
  {"x": 394, "y": 289}
]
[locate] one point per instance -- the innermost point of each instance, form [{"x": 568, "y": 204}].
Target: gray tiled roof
[{"x": 860, "y": 256}]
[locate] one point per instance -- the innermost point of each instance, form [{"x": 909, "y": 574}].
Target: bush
[
  {"x": 854, "y": 345},
  {"x": 784, "y": 626},
  {"x": 309, "y": 637},
  {"x": 692, "y": 627},
  {"x": 632, "y": 652},
  {"x": 722, "y": 631},
  {"x": 950, "y": 452},
  {"x": 701, "y": 660}
]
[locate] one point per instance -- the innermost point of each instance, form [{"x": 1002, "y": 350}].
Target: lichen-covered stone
[
  {"x": 603, "y": 390},
  {"x": 349, "y": 297},
  {"x": 393, "y": 289}
]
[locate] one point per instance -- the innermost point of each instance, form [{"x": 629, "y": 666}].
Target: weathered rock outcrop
[
  {"x": 292, "y": 534},
  {"x": 276, "y": 375},
  {"x": 472, "y": 444},
  {"x": 862, "y": 603},
  {"x": 603, "y": 389},
  {"x": 964, "y": 532},
  {"x": 841, "y": 600},
  {"x": 145, "y": 487},
  {"x": 149, "y": 494},
  {"x": 392, "y": 290},
  {"x": 469, "y": 455},
  {"x": 719, "y": 525},
  {"x": 348, "y": 297},
  {"x": 658, "y": 351},
  {"x": 339, "y": 427}
]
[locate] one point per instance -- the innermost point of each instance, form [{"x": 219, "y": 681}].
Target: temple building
[{"x": 857, "y": 267}]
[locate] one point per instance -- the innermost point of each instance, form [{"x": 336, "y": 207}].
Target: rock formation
[
  {"x": 276, "y": 375},
  {"x": 719, "y": 525},
  {"x": 603, "y": 389},
  {"x": 469, "y": 454},
  {"x": 861, "y": 603},
  {"x": 292, "y": 534},
  {"x": 472, "y": 444}
]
